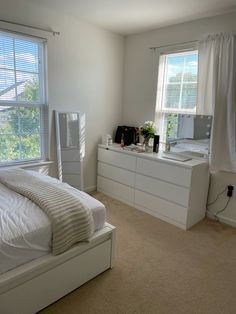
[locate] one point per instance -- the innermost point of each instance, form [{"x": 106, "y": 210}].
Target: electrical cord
[
  {"x": 217, "y": 197},
  {"x": 213, "y": 202},
  {"x": 221, "y": 210}
]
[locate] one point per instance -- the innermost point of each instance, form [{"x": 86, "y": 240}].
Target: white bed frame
[{"x": 33, "y": 286}]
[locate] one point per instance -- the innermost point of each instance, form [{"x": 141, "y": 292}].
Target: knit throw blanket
[{"x": 71, "y": 220}]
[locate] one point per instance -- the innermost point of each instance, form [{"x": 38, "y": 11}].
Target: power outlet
[{"x": 230, "y": 190}]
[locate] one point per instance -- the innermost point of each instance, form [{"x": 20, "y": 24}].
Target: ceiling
[{"x": 133, "y": 16}]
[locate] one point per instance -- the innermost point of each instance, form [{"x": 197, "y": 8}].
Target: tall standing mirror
[{"x": 69, "y": 148}]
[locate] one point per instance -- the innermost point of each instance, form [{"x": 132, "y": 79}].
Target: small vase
[
  {"x": 148, "y": 148},
  {"x": 145, "y": 144},
  {"x": 145, "y": 141}
]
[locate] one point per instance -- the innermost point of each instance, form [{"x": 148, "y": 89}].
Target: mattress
[{"x": 25, "y": 230}]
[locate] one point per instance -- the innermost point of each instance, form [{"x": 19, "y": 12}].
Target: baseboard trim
[
  {"x": 226, "y": 220},
  {"x": 90, "y": 188}
]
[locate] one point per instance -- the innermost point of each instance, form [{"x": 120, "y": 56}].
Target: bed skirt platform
[{"x": 33, "y": 286}]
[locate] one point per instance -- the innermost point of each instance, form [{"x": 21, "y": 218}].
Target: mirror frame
[{"x": 58, "y": 146}]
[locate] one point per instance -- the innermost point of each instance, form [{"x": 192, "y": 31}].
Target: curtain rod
[
  {"x": 171, "y": 45},
  {"x": 32, "y": 27}
]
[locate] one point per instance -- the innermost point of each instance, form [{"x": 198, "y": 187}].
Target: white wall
[
  {"x": 140, "y": 80},
  {"x": 85, "y": 71}
]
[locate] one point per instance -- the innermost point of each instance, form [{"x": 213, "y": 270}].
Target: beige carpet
[{"x": 160, "y": 269}]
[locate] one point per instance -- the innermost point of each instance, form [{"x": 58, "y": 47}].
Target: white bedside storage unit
[{"x": 173, "y": 191}]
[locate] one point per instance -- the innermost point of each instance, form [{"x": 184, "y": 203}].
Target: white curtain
[{"x": 217, "y": 96}]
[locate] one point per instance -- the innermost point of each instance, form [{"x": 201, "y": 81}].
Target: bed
[{"x": 34, "y": 279}]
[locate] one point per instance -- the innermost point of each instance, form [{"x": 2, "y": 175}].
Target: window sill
[{"x": 25, "y": 165}]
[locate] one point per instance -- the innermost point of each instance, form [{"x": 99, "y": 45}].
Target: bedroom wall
[
  {"x": 85, "y": 71},
  {"x": 140, "y": 80}
]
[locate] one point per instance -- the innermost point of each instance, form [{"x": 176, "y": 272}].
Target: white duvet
[{"x": 25, "y": 230}]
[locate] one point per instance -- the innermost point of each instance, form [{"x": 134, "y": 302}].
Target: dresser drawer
[
  {"x": 168, "y": 191},
  {"x": 161, "y": 207},
  {"x": 116, "y": 190},
  {"x": 164, "y": 171},
  {"x": 116, "y": 174},
  {"x": 117, "y": 159}
]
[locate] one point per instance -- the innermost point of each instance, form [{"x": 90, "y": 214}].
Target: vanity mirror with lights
[
  {"x": 188, "y": 133},
  {"x": 70, "y": 148}
]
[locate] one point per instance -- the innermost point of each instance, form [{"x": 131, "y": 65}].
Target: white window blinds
[{"x": 22, "y": 99}]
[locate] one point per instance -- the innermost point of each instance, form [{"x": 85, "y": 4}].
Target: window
[
  {"x": 22, "y": 98},
  {"x": 176, "y": 90}
]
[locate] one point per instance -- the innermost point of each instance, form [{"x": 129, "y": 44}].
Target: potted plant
[{"x": 147, "y": 130}]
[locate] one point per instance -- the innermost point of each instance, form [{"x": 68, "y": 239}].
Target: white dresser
[{"x": 170, "y": 190}]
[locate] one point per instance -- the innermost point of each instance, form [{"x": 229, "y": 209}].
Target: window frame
[
  {"x": 42, "y": 103},
  {"x": 161, "y": 68}
]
